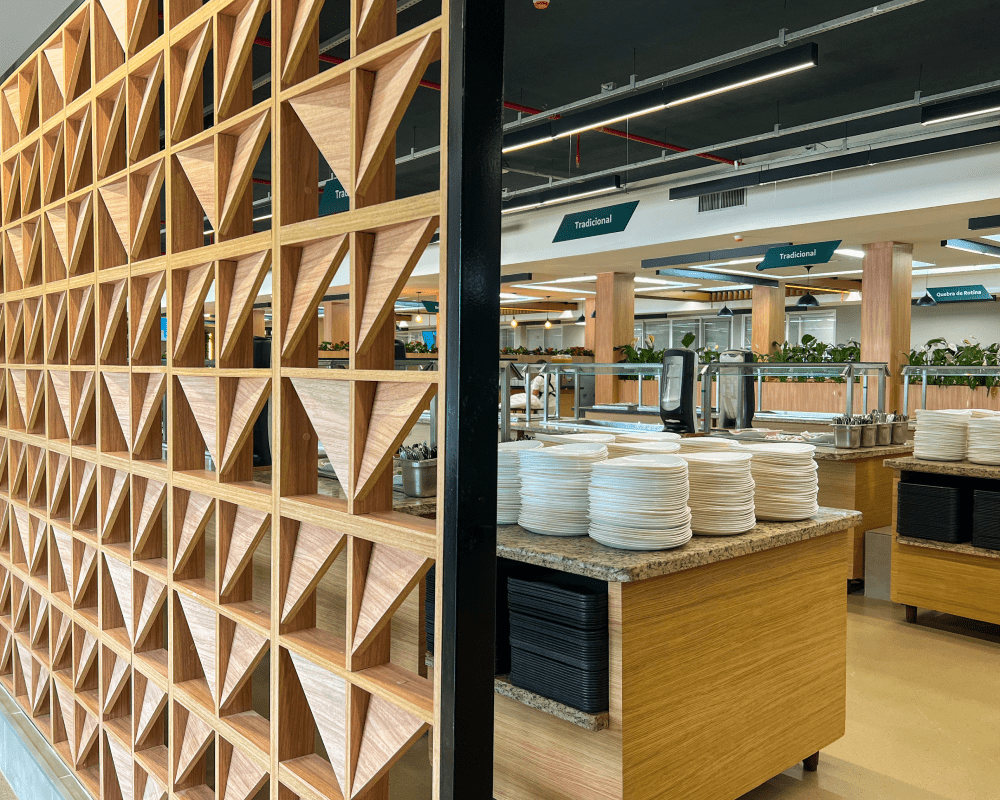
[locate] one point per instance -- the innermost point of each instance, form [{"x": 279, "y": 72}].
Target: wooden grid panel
[{"x": 168, "y": 626}]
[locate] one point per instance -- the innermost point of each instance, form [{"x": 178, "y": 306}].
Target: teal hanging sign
[
  {"x": 583, "y": 224},
  {"x": 959, "y": 294},
  {"x": 799, "y": 255},
  {"x": 334, "y": 199},
  {"x": 431, "y": 306}
]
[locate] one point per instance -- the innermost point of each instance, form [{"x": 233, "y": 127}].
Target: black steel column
[{"x": 466, "y": 643}]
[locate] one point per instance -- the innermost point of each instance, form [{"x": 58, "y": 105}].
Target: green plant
[
  {"x": 939, "y": 352},
  {"x": 333, "y": 346},
  {"x": 639, "y": 355}
]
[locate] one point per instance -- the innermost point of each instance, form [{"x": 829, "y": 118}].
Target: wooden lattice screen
[{"x": 177, "y": 626}]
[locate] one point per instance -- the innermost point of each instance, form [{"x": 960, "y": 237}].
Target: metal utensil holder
[
  {"x": 419, "y": 477},
  {"x": 868, "y": 435},
  {"x": 900, "y": 432},
  {"x": 883, "y": 434},
  {"x": 847, "y": 436}
]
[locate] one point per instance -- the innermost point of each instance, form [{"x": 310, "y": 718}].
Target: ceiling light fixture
[
  {"x": 785, "y": 62},
  {"x": 564, "y": 194},
  {"x": 581, "y": 320},
  {"x": 850, "y": 253},
  {"x": 807, "y": 300},
  {"x": 513, "y": 322},
  {"x": 955, "y": 270},
  {"x": 926, "y": 300},
  {"x": 418, "y": 319},
  {"x": 725, "y": 311},
  {"x": 404, "y": 323},
  {"x": 968, "y": 246},
  {"x": 567, "y": 314},
  {"x": 961, "y": 109},
  {"x": 548, "y": 322}
]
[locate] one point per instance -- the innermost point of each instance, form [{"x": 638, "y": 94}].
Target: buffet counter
[
  {"x": 727, "y": 666},
  {"x": 957, "y": 578}
]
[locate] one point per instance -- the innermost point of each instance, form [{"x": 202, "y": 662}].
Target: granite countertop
[
  {"x": 827, "y": 453},
  {"x": 581, "y": 555},
  {"x": 965, "y": 469},
  {"x": 964, "y": 549}
]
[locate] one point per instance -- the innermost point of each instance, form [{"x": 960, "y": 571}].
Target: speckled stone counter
[
  {"x": 825, "y": 453},
  {"x": 961, "y": 549},
  {"x": 964, "y": 469},
  {"x": 581, "y": 555}
]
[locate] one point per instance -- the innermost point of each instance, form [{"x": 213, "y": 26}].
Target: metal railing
[
  {"x": 847, "y": 371},
  {"x": 925, "y": 371}
]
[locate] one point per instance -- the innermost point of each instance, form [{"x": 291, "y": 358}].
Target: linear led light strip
[
  {"x": 566, "y": 199},
  {"x": 741, "y": 84},
  {"x": 963, "y": 116}
]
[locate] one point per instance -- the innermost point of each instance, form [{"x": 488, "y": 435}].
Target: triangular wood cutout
[
  {"x": 201, "y": 397},
  {"x": 55, "y": 56},
  {"x": 41, "y": 687},
  {"x": 60, "y": 485},
  {"x": 395, "y": 84},
  {"x": 152, "y": 288},
  {"x": 87, "y": 736},
  {"x": 245, "y": 649},
  {"x": 76, "y": 35},
  {"x": 317, "y": 265},
  {"x": 153, "y": 595},
  {"x": 19, "y": 464},
  {"x": 196, "y": 736},
  {"x": 20, "y": 603},
  {"x": 326, "y": 695},
  {"x": 325, "y": 114},
  {"x": 117, "y": 385},
  {"x": 12, "y": 94},
  {"x": 369, "y": 14},
  {"x": 394, "y": 410},
  {"x": 36, "y": 485},
  {"x": 152, "y": 397},
  {"x": 394, "y": 255},
  {"x": 52, "y": 164},
  {"x": 88, "y": 482},
  {"x": 196, "y": 286},
  {"x": 37, "y": 528},
  {"x": 251, "y": 395},
  {"x": 23, "y": 523},
  {"x": 86, "y": 308},
  {"x": 198, "y": 164},
  {"x": 304, "y": 23},
  {"x": 28, "y": 93},
  {"x": 236, "y": 169},
  {"x": 57, "y": 325},
  {"x": 149, "y": 183},
  {"x": 6, "y": 645},
  {"x": 315, "y": 550},
  {"x": 137, "y": 15},
  {"x": 39, "y": 623},
  {"x": 150, "y": 505},
  {"x": 388, "y": 734},
  {"x": 88, "y": 564},
  {"x": 115, "y": 117},
  {"x": 13, "y": 192},
  {"x": 124, "y": 769},
  {"x": 88, "y": 654},
  {"x": 63, "y": 637},
  {"x": 4, "y": 453},
  {"x": 326, "y": 403},
  {"x": 196, "y": 516},
  {"x": 86, "y": 399},
  {"x": 30, "y": 167},
  {"x": 148, "y": 708},
  {"x": 67, "y": 708},
  {"x": 121, "y": 579},
  {"x": 147, "y": 105},
  {"x": 115, "y": 501},
  {"x": 244, "y": 779},
  {"x": 152, "y": 789},
  {"x": 117, "y": 681},
  {"x": 201, "y": 623},
  {"x": 195, "y": 56},
  {"x": 244, "y": 30},
  {"x": 32, "y": 241},
  {"x": 249, "y": 274},
  {"x": 15, "y": 314},
  {"x": 115, "y": 312},
  {"x": 78, "y": 235},
  {"x": 15, "y": 238},
  {"x": 115, "y": 197},
  {"x": 79, "y": 131},
  {"x": 117, "y": 14},
  {"x": 249, "y": 527},
  {"x": 27, "y": 673},
  {"x": 33, "y": 323}
]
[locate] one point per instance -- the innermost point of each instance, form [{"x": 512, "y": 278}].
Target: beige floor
[
  {"x": 923, "y": 716},
  {"x": 6, "y": 793}
]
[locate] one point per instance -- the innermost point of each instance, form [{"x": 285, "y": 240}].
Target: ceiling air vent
[{"x": 719, "y": 200}]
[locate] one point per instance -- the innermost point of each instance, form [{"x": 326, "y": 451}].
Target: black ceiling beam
[
  {"x": 520, "y": 277},
  {"x": 984, "y": 223},
  {"x": 710, "y": 275},
  {"x": 710, "y": 255}
]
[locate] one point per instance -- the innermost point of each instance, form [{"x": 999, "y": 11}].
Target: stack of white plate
[
  {"x": 555, "y": 488},
  {"x": 984, "y": 440},
  {"x": 785, "y": 485},
  {"x": 566, "y": 438},
  {"x": 509, "y": 478},
  {"x": 640, "y": 502},
  {"x": 941, "y": 435},
  {"x": 721, "y": 493},
  {"x": 704, "y": 444},
  {"x": 648, "y": 436},
  {"x": 622, "y": 449}
]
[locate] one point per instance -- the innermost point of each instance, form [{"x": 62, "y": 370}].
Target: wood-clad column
[
  {"x": 768, "y": 318},
  {"x": 590, "y": 331},
  {"x": 259, "y": 322},
  {"x": 615, "y": 325},
  {"x": 885, "y": 310},
  {"x": 335, "y": 325}
]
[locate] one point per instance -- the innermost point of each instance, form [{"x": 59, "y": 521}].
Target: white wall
[
  {"x": 952, "y": 321},
  {"x": 23, "y": 23}
]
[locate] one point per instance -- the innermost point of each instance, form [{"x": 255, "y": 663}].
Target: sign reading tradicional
[
  {"x": 610, "y": 219},
  {"x": 959, "y": 294},
  {"x": 799, "y": 255}
]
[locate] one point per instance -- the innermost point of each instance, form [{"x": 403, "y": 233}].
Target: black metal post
[{"x": 466, "y": 644}]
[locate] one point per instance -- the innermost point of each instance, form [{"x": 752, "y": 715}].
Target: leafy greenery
[
  {"x": 420, "y": 347},
  {"x": 549, "y": 351},
  {"x": 333, "y": 346},
  {"x": 938, "y": 352},
  {"x": 812, "y": 351}
]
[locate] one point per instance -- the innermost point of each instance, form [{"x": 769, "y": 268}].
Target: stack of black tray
[
  {"x": 986, "y": 520},
  {"x": 429, "y": 610},
  {"x": 940, "y": 513},
  {"x": 559, "y": 640}
]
